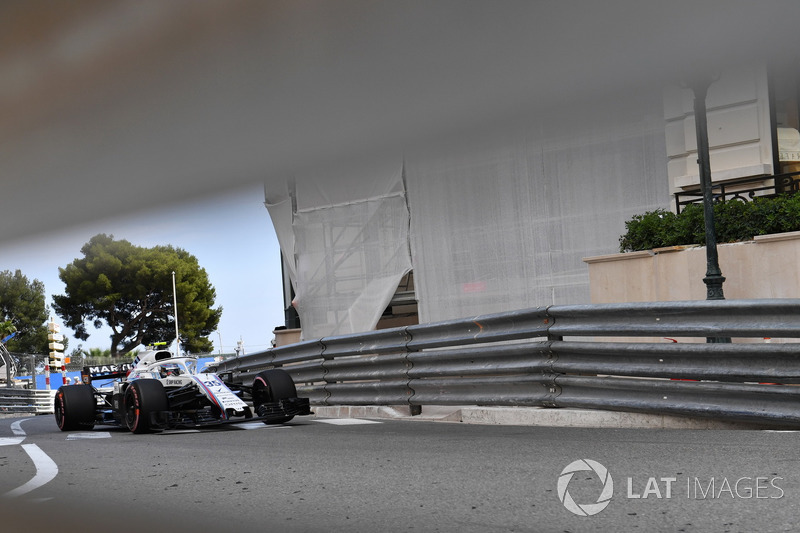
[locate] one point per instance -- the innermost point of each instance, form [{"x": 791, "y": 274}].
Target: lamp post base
[{"x": 714, "y": 292}]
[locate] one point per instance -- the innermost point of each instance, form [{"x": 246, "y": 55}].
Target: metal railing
[
  {"x": 523, "y": 358},
  {"x": 8, "y": 367},
  {"x": 742, "y": 189},
  {"x": 21, "y": 401}
]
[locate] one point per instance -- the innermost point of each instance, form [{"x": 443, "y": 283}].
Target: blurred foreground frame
[{"x": 149, "y": 103}]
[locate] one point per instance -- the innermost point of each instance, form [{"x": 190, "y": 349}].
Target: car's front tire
[
  {"x": 271, "y": 386},
  {"x": 74, "y": 407},
  {"x": 143, "y": 398}
]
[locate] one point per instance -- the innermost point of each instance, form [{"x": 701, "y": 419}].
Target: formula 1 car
[{"x": 158, "y": 391}]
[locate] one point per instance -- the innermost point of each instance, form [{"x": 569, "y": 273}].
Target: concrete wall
[{"x": 766, "y": 267}]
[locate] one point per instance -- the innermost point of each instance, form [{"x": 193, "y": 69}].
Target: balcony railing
[{"x": 744, "y": 189}]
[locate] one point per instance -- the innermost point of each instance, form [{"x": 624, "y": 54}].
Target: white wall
[{"x": 739, "y": 128}]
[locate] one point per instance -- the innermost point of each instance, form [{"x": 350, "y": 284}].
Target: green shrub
[{"x": 734, "y": 220}]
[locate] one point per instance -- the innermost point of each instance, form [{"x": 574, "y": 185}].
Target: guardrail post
[{"x": 549, "y": 322}]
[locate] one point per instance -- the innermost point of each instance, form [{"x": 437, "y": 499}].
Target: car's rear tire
[
  {"x": 143, "y": 398},
  {"x": 74, "y": 407},
  {"x": 271, "y": 386}
]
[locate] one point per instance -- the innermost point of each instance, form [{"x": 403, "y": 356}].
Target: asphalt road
[{"x": 319, "y": 474}]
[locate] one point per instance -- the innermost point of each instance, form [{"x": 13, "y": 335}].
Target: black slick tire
[
  {"x": 74, "y": 407},
  {"x": 270, "y": 386},
  {"x": 143, "y": 398}
]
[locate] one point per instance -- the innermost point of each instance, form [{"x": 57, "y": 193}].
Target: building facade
[{"x": 502, "y": 219}]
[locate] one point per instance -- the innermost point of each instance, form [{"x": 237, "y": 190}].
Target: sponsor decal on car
[
  {"x": 219, "y": 393},
  {"x": 106, "y": 369}
]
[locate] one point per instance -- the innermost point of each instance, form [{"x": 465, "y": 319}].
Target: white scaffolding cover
[
  {"x": 347, "y": 242},
  {"x": 496, "y": 224},
  {"x": 504, "y": 224}
]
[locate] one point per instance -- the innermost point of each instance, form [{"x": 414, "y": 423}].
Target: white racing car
[{"x": 158, "y": 391}]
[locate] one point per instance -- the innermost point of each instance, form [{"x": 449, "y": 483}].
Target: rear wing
[{"x": 91, "y": 373}]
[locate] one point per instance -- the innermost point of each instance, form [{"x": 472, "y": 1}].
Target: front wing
[
  {"x": 193, "y": 417},
  {"x": 274, "y": 412}
]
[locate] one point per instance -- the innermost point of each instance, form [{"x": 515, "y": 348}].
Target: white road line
[
  {"x": 259, "y": 425},
  {"x": 16, "y": 427},
  {"x": 46, "y": 470},
  {"x": 346, "y": 421},
  {"x": 232, "y": 427},
  {"x": 92, "y": 435}
]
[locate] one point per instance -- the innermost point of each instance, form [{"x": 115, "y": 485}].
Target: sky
[{"x": 231, "y": 235}]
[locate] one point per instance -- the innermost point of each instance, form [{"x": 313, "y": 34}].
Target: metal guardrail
[
  {"x": 16, "y": 400},
  {"x": 523, "y": 358}
]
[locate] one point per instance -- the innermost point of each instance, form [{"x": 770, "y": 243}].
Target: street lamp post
[{"x": 714, "y": 278}]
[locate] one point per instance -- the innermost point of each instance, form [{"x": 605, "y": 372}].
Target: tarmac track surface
[{"x": 317, "y": 474}]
